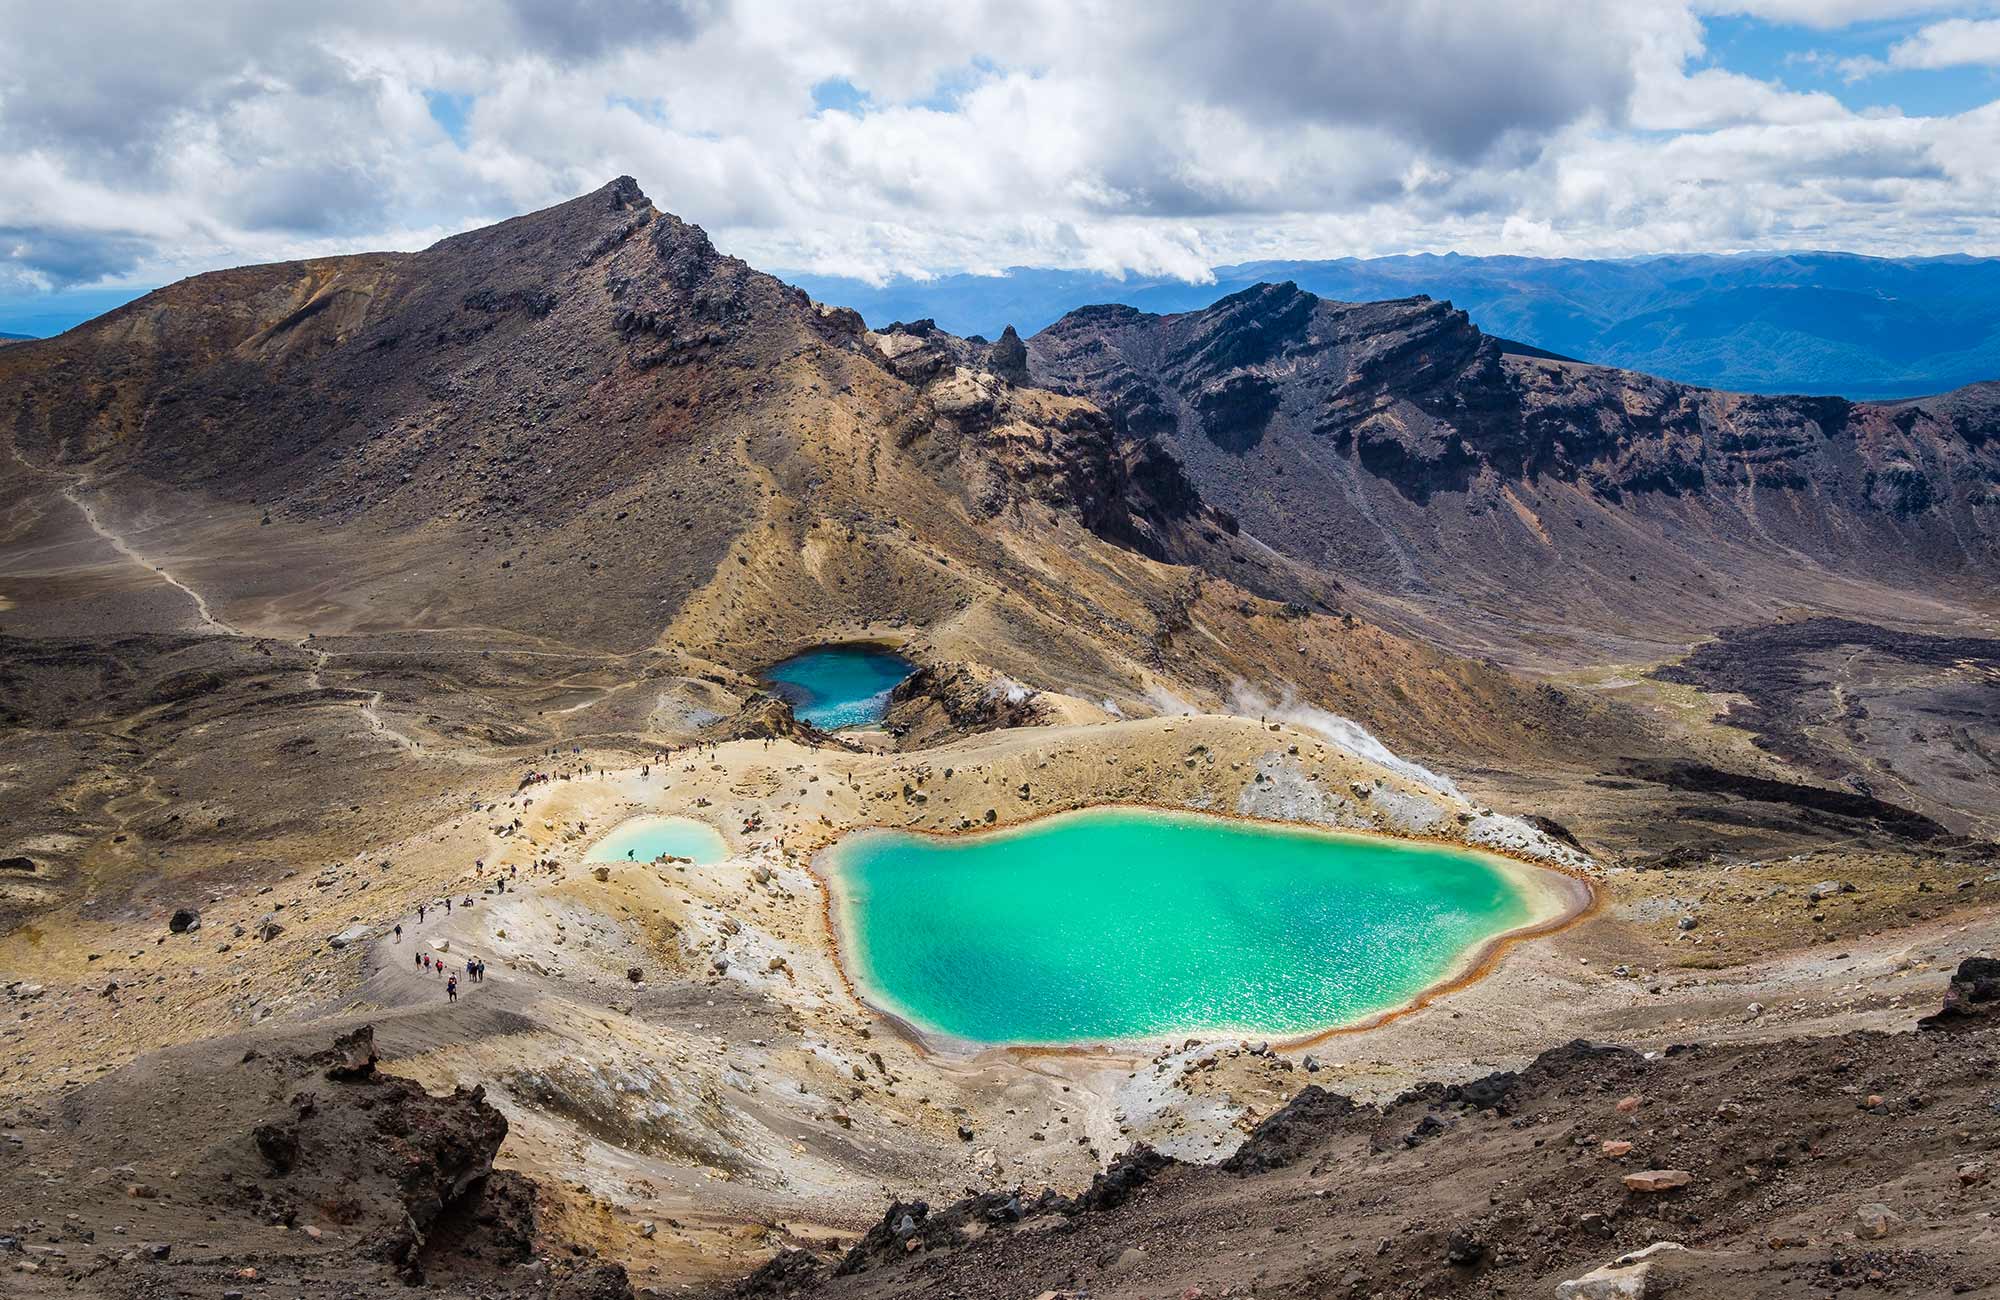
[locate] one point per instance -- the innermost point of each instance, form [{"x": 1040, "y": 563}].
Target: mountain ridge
[
  {"x": 1815, "y": 322},
  {"x": 1272, "y": 397}
]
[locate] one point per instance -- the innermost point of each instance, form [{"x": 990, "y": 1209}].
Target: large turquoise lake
[
  {"x": 1120, "y": 923},
  {"x": 841, "y": 685}
]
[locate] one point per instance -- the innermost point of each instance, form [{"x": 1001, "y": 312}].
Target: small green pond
[{"x": 644, "y": 838}]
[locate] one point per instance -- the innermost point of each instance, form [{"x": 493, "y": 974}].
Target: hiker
[
  {"x": 419, "y": 959},
  {"x": 447, "y": 907},
  {"x": 399, "y": 933},
  {"x": 451, "y": 988},
  {"x": 420, "y": 913}
]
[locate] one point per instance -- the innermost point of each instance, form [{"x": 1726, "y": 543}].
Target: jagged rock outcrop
[
  {"x": 939, "y": 700},
  {"x": 1008, "y": 357},
  {"x": 1013, "y": 445},
  {"x": 767, "y": 717},
  {"x": 334, "y": 1169}
]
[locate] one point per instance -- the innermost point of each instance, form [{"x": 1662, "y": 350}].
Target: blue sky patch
[
  {"x": 1803, "y": 59},
  {"x": 452, "y": 112},
  {"x": 840, "y": 95}
]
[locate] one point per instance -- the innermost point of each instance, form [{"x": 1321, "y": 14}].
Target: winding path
[
  {"x": 369, "y": 706},
  {"x": 132, "y": 553},
  {"x": 72, "y": 492}
]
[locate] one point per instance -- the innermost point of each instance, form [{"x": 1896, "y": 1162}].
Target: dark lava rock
[
  {"x": 1125, "y": 1175},
  {"x": 1464, "y": 1250},
  {"x": 278, "y": 1144},
  {"x": 1293, "y": 1130},
  {"x": 1972, "y": 1000},
  {"x": 183, "y": 920},
  {"x": 785, "y": 1273},
  {"x": 597, "y": 1282},
  {"x": 353, "y": 1055},
  {"x": 1554, "y": 829}
]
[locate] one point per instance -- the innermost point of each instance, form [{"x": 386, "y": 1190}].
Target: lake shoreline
[{"x": 1557, "y": 896}]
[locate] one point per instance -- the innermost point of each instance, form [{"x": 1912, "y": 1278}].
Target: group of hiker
[
  {"x": 475, "y": 971},
  {"x": 474, "y": 968}
]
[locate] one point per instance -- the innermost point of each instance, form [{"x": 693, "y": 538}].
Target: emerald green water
[{"x": 1119, "y": 923}]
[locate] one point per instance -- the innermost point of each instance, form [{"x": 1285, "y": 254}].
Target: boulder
[
  {"x": 353, "y": 1055},
  {"x": 184, "y": 920},
  {"x": 1972, "y": 999},
  {"x": 1637, "y": 1276},
  {"x": 1657, "y": 1180},
  {"x": 1875, "y": 1221}
]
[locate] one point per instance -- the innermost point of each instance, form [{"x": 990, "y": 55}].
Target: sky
[{"x": 141, "y": 141}]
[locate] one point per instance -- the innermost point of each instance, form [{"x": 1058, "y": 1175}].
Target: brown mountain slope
[
  {"x": 566, "y": 423},
  {"x": 588, "y": 428}
]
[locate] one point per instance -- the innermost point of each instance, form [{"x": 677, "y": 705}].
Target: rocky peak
[
  {"x": 623, "y": 194},
  {"x": 1245, "y": 329},
  {"x": 1008, "y": 357}
]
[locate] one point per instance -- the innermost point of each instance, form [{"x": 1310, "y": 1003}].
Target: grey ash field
[{"x": 303, "y": 567}]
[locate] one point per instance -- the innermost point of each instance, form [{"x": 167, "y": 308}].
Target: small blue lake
[
  {"x": 839, "y": 686},
  {"x": 644, "y": 838}
]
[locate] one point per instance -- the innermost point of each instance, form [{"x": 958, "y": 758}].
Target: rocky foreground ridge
[
  {"x": 1789, "y": 1167},
  {"x": 1595, "y": 1173}
]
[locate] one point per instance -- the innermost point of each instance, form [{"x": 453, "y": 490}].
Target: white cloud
[
  {"x": 1956, "y": 42},
  {"x": 141, "y": 141}
]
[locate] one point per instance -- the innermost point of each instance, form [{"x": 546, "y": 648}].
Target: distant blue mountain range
[{"x": 1762, "y": 323}]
